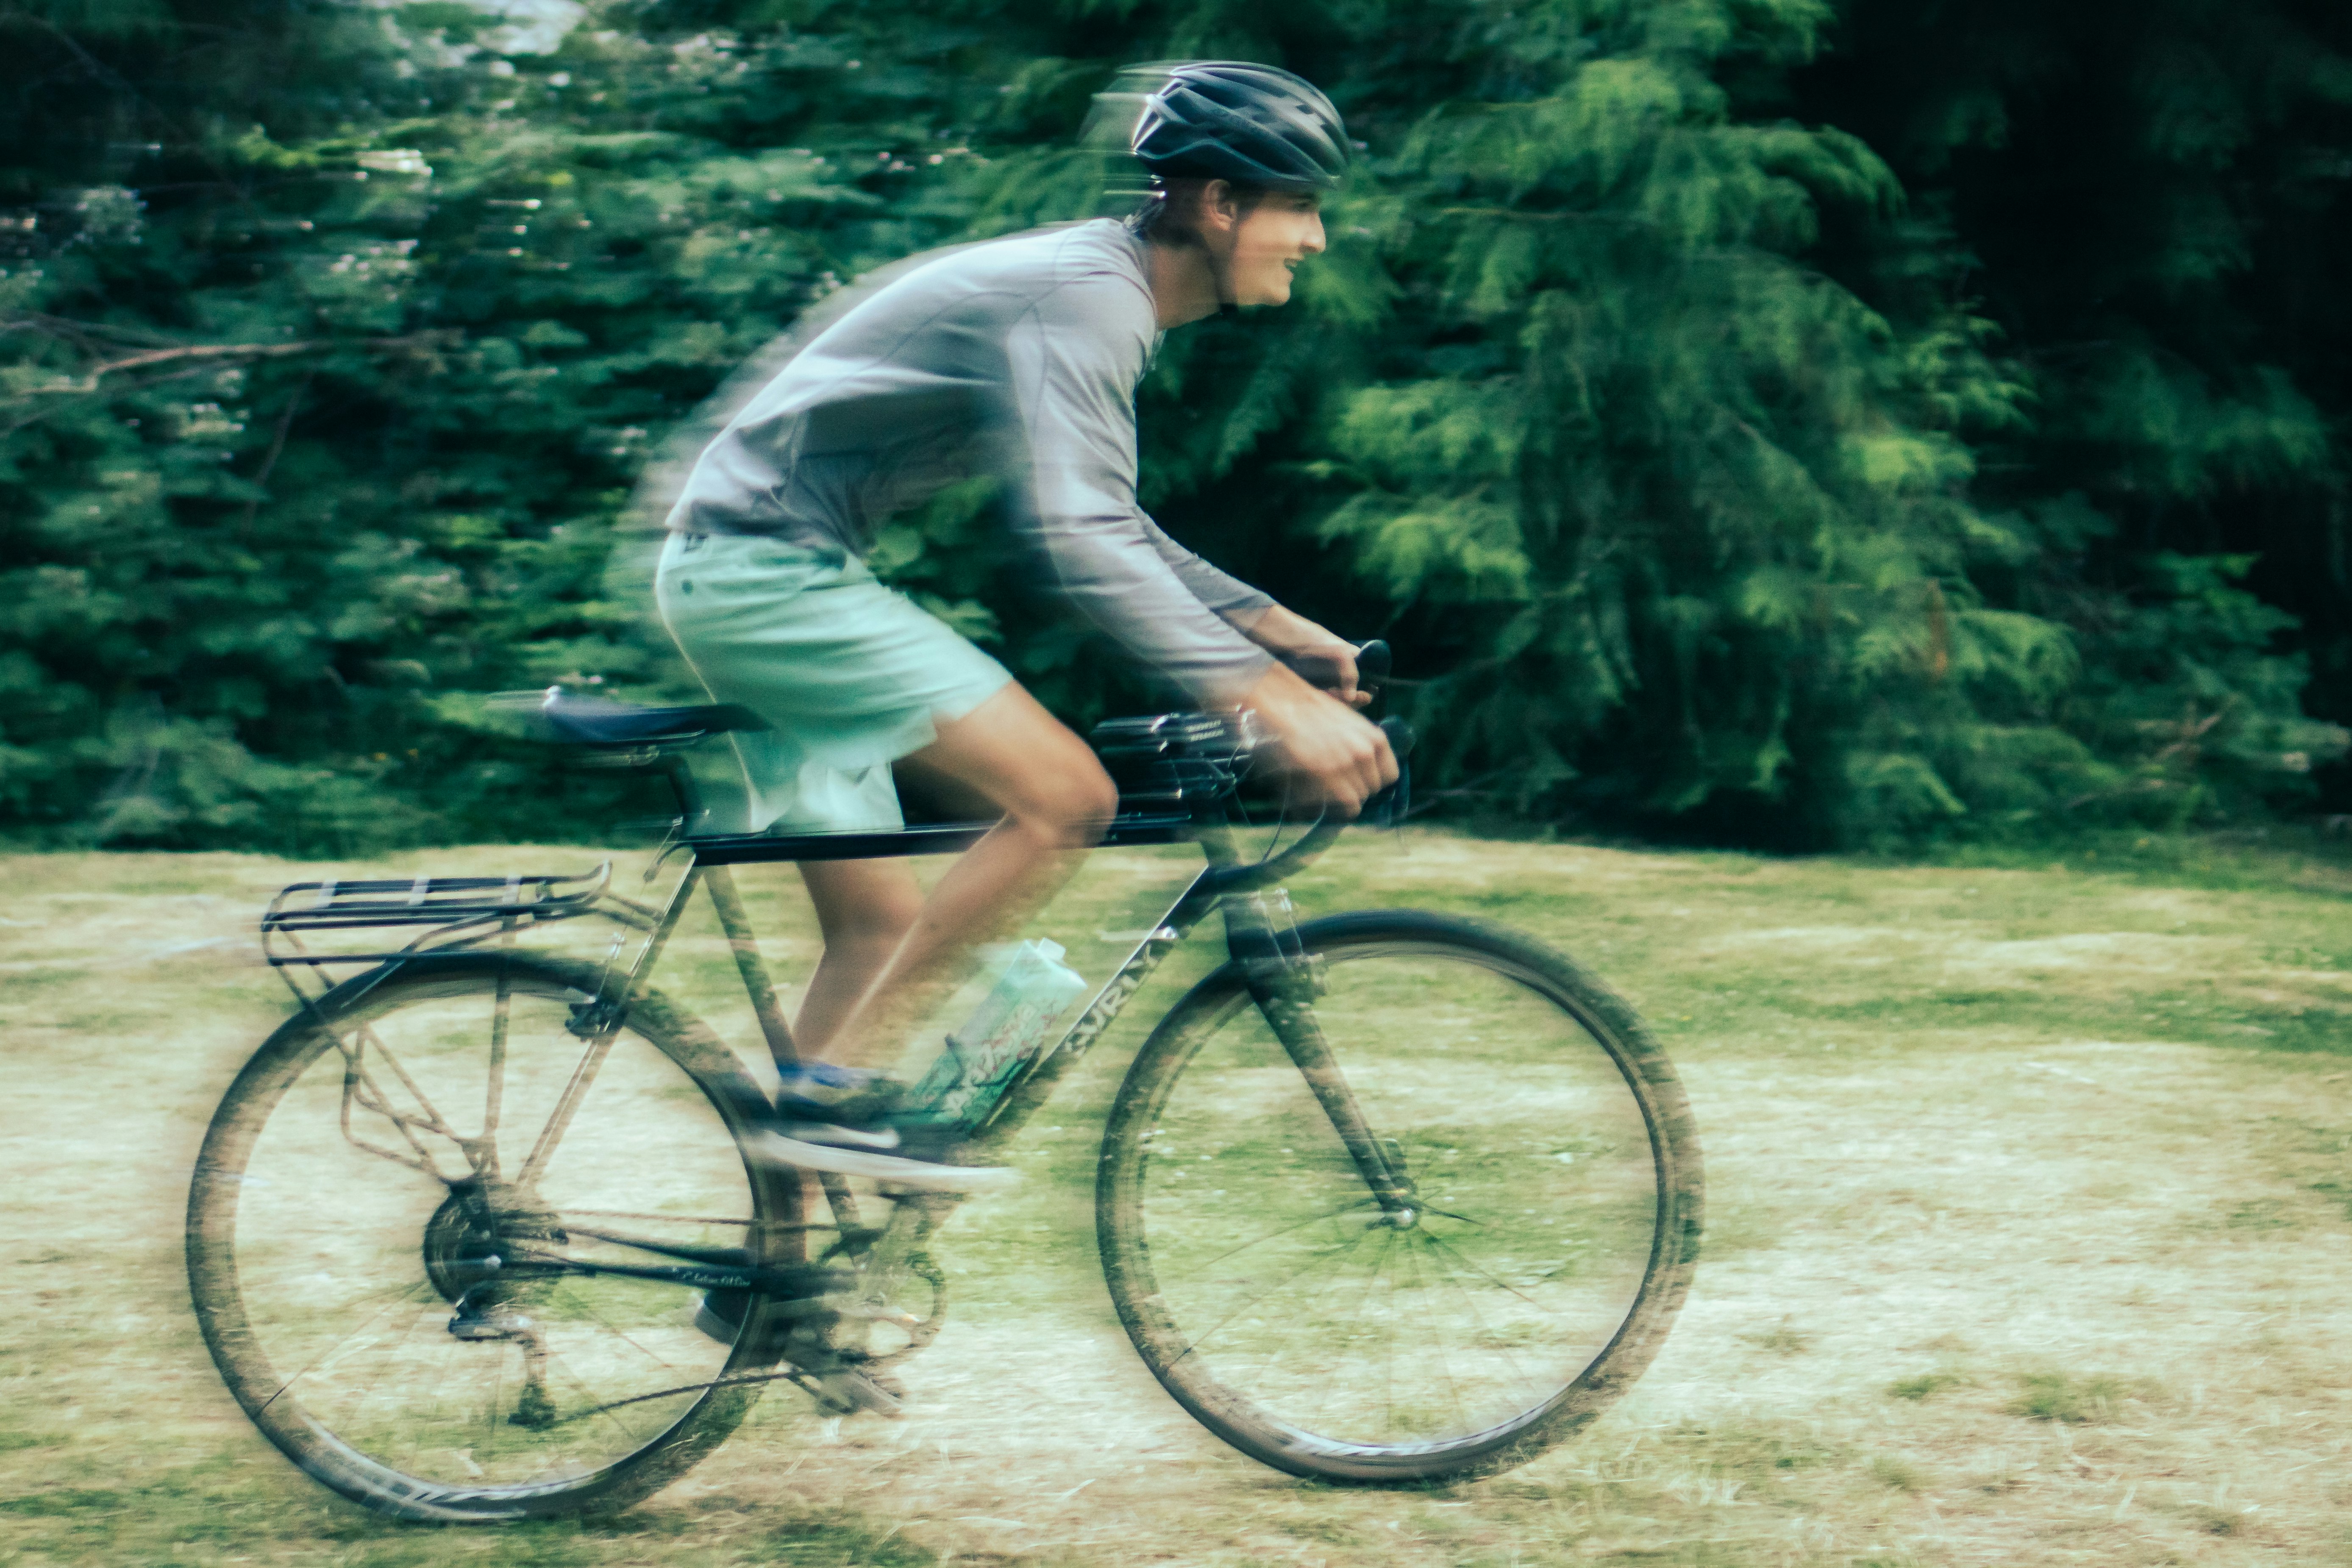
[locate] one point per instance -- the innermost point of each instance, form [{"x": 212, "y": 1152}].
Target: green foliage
[
  {"x": 2146, "y": 199},
  {"x": 329, "y": 379},
  {"x": 1662, "y": 432}
]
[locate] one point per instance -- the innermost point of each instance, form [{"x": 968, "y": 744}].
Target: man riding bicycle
[{"x": 1016, "y": 357}]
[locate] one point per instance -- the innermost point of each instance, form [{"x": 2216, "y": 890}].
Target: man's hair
[{"x": 1170, "y": 213}]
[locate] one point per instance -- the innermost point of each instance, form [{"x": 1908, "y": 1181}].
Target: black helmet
[{"x": 1229, "y": 120}]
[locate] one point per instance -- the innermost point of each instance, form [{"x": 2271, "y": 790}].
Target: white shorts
[{"x": 851, "y": 674}]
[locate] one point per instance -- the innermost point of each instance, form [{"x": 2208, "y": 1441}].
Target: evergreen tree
[
  {"x": 2148, "y": 202},
  {"x": 180, "y": 192},
  {"x": 1699, "y": 480},
  {"x": 337, "y": 339}
]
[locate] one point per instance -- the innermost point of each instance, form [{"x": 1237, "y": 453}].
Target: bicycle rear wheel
[
  {"x": 1528, "y": 1281},
  {"x": 398, "y": 1148}
]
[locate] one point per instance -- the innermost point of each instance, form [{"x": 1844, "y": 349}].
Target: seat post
[{"x": 681, "y": 783}]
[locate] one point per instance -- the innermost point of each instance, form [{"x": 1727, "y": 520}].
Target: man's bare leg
[
  {"x": 865, "y": 909},
  {"x": 1055, "y": 800}
]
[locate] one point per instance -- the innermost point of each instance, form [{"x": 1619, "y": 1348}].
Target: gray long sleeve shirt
[{"x": 1017, "y": 357}]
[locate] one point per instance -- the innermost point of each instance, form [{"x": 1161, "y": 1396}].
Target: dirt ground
[{"x": 2027, "y": 1244}]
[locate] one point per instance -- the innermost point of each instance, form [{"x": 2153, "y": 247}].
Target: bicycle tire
[
  {"x": 687, "y": 1423},
  {"x": 1216, "y": 1323}
]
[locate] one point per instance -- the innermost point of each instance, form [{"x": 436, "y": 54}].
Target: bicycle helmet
[{"x": 1229, "y": 120}]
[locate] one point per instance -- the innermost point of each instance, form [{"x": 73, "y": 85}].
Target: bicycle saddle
[{"x": 569, "y": 719}]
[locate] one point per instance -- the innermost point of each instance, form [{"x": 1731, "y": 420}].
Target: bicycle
[{"x": 1389, "y": 1196}]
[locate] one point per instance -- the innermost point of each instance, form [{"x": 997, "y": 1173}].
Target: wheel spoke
[
  {"x": 351, "y": 1411},
  {"x": 1372, "y": 1276},
  {"x": 398, "y": 1292},
  {"x": 1284, "y": 1230},
  {"x": 1259, "y": 1301},
  {"x": 1438, "y": 1253},
  {"x": 575, "y": 1298},
  {"x": 605, "y": 1412},
  {"x": 1440, "y": 1242},
  {"x": 1380, "y": 1261},
  {"x": 1437, "y": 1341}
]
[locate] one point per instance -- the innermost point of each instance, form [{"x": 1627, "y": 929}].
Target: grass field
[{"x": 2029, "y": 1205}]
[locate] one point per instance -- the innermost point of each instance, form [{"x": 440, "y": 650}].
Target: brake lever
[
  {"x": 1373, "y": 667},
  {"x": 1391, "y": 805},
  {"x": 1323, "y": 673}
]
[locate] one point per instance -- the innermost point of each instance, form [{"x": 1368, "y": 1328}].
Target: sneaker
[
  {"x": 861, "y": 1124},
  {"x": 818, "y": 1092},
  {"x": 480, "y": 1315},
  {"x": 849, "y": 1390}
]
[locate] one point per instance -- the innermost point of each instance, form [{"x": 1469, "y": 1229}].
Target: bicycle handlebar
[
  {"x": 1161, "y": 747},
  {"x": 1389, "y": 807}
]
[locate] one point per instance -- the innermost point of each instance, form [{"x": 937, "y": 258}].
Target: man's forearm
[
  {"x": 1279, "y": 631},
  {"x": 1271, "y": 626},
  {"x": 1313, "y": 652}
]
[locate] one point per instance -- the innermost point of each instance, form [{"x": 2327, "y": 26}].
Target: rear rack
[{"x": 442, "y": 910}]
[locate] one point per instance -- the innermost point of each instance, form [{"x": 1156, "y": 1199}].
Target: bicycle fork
[{"x": 1284, "y": 980}]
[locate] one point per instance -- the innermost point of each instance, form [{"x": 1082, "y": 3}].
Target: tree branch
[{"x": 86, "y": 338}]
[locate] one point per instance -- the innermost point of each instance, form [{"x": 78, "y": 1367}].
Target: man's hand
[
  {"x": 1324, "y": 660},
  {"x": 1343, "y": 760}
]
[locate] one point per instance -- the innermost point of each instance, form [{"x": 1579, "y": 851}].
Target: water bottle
[{"x": 1033, "y": 988}]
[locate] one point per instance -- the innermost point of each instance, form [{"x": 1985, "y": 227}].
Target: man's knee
[
  {"x": 1035, "y": 771},
  {"x": 1095, "y": 798},
  {"x": 1072, "y": 801}
]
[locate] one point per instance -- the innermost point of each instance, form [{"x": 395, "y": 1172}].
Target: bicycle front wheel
[
  {"x": 374, "y": 1215},
  {"x": 1527, "y": 1279}
]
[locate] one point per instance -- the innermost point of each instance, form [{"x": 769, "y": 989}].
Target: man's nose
[{"x": 1314, "y": 241}]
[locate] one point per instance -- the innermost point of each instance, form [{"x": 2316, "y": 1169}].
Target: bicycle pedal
[
  {"x": 477, "y": 1327},
  {"x": 849, "y": 1390}
]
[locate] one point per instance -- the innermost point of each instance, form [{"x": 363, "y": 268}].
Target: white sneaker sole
[{"x": 923, "y": 1175}]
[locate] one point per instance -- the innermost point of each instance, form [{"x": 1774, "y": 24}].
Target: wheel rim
[
  {"x": 329, "y": 1274},
  {"x": 1269, "y": 1290}
]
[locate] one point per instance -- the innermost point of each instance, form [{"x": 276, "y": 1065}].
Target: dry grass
[{"x": 2028, "y": 1206}]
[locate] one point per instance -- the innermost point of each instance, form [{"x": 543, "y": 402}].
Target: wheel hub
[{"x": 475, "y": 1235}]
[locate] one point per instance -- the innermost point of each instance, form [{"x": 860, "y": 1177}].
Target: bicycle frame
[
  {"x": 461, "y": 913},
  {"x": 1259, "y": 934}
]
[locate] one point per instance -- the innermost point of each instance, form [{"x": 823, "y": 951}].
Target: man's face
[{"x": 1284, "y": 229}]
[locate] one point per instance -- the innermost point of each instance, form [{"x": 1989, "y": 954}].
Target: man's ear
[{"x": 1220, "y": 207}]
